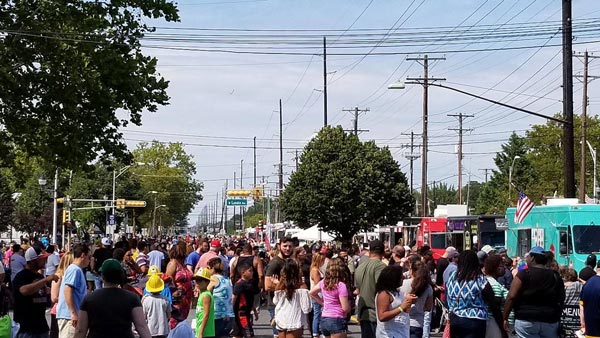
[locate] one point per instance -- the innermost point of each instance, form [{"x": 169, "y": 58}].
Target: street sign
[
  {"x": 112, "y": 220},
  {"x": 236, "y": 201}
]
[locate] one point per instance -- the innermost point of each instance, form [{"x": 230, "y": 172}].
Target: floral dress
[{"x": 181, "y": 293}]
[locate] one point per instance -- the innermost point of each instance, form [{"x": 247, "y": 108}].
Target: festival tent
[{"x": 312, "y": 234}]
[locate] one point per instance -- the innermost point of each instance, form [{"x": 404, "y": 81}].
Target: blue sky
[{"x": 223, "y": 99}]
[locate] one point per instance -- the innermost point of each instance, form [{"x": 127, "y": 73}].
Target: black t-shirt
[
  {"x": 238, "y": 274},
  {"x": 542, "y": 295},
  {"x": 442, "y": 264},
  {"x": 109, "y": 312},
  {"x": 30, "y": 311},
  {"x": 244, "y": 296},
  {"x": 100, "y": 255},
  {"x": 274, "y": 269}
]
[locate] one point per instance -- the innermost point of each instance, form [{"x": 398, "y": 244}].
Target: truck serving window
[
  {"x": 586, "y": 239},
  {"x": 438, "y": 241}
]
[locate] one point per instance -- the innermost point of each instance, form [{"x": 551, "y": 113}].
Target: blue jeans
[
  {"x": 331, "y": 326},
  {"x": 527, "y": 329},
  {"x": 367, "y": 329},
  {"x": 271, "y": 316},
  {"x": 32, "y": 335},
  {"x": 416, "y": 332},
  {"x": 317, "y": 309},
  {"x": 98, "y": 282},
  {"x": 461, "y": 327},
  {"x": 223, "y": 327}
]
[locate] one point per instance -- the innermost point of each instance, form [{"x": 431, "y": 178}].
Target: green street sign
[{"x": 236, "y": 201}]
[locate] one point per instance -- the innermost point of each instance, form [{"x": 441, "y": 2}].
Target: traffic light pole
[{"x": 55, "y": 208}]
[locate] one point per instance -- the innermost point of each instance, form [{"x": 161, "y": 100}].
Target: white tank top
[{"x": 397, "y": 327}]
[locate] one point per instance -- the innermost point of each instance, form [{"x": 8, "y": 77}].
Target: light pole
[
  {"x": 510, "y": 171},
  {"x": 593, "y": 152},
  {"x": 114, "y": 182},
  {"x": 154, "y": 216}
]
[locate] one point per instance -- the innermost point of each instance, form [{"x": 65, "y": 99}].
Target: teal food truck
[{"x": 569, "y": 229}]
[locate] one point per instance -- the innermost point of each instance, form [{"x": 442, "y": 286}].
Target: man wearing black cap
[{"x": 365, "y": 277}]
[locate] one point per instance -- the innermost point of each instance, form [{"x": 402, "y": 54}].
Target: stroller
[{"x": 441, "y": 315}]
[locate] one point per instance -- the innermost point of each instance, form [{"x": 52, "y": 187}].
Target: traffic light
[
  {"x": 135, "y": 204},
  {"x": 66, "y": 215},
  {"x": 121, "y": 203},
  {"x": 60, "y": 200},
  {"x": 257, "y": 193},
  {"x": 238, "y": 193}
]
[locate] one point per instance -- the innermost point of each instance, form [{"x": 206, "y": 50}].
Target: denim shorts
[{"x": 331, "y": 326}]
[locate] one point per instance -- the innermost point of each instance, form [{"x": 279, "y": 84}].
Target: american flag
[{"x": 524, "y": 206}]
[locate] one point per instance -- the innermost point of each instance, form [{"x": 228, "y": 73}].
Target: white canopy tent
[{"x": 312, "y": 234}]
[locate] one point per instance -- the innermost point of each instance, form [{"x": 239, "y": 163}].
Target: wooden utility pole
[
  {"x": 280, "y": 148},
  {"x": 424, "y": 81},
  {"x": 486, "y": 173},
  {"x": 325, "y": 81},
  {"x": 254, "y": 148},
  {"x": 411, "y": 156},
  {"x": 356, "y": 111},
  {"x": 585, "y": 79},
  {"x": 460, "y": 130},
  {"x": 568, "y": 142}
]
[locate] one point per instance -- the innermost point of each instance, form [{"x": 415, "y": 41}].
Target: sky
[{"x": 221, "y": 100}]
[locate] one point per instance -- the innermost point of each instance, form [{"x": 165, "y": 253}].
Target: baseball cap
[
  {"x": 324, "y": 250},
  {"x": 33, "y": 254},
  {"x": 586, "y": 273},
  {"x": 487, "y": 249},
  {"x": 106, "y": 241},
  {"x": 451, "y": 250},
  {"x": 202, "y": 274},
  {"x": 215, "y": 243},
  {"x": 376, "y": 245},
  {"x": 482, "y": 255},
  {"x": 536, "y": 250},
  {"x": 502, "y": 250},
  {"x": 591, "y": 260},
  {"x": 110, "y": 265}
]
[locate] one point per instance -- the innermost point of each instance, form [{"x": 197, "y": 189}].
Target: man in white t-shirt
[{"x": 52, "y": 261}]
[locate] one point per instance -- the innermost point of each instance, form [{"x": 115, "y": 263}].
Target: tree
[
  {"x": 345, "y": 186},
  {"x": 494, "y": 198},
  {"x": 168, "y": 170},
  {"x": 471, "y": 193},
  {"x": 7, "y": 203},
  {"x": 68, "y": 67},
  {"x": 441, "y": 194}
]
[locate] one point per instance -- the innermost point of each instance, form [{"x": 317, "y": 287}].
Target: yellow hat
[
  {"x": 153, "y": 270},
  {"x": 202, "y": 273},
  {"x": 155, "y": 284}
]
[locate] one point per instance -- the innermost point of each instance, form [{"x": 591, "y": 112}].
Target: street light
[
  {"x": 42, "y": 180},
  {"x": 593, "y": 152},
  {"x": 154, "y": 216},
  {"x": 114, "y": 183},
  {"x": 510, "y": 171}
]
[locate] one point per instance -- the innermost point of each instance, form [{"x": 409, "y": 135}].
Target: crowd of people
[{"x": 149, "y": 288}]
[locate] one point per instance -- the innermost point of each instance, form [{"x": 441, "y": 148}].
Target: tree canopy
[
  {"x": 345, "y": 186},
  {"x": 72, "y": 73}
]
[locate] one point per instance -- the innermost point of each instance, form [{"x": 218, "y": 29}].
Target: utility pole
[
  {"x": 356, "y": 111},
  {"x": 568, "y": 142},
  {"x": 586, "y": 78},
  {"x": 281, "y": 148},
  {"x": 425, "y": 82},
  {"x": 486, "y": 173},
  {"x": 412, "y": 156},
  {"x": 224, "y": 209},
  {"x": 254, "y": 160},
  {"x": 241, "y": 188},
  {"x": 460, "y": 130},
  {"x": 234, "y": 181},
  {"x": 325, "y": 81}
]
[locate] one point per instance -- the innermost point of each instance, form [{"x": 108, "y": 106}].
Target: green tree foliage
[
  {"x": 68, "y": 67},
  {"x": 7, "y": 203},
  {"x": 345, "y": 186},
  {"x": 169, "y": 171},
  {"x": 494, "y": 198},
  {"x": 441, "y": 194}
]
